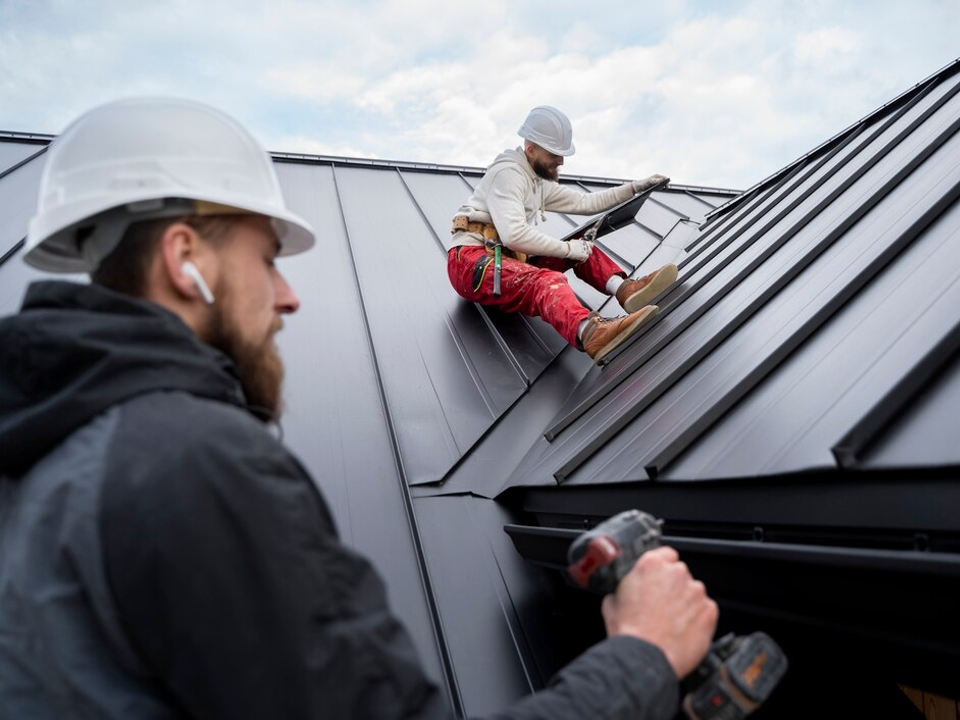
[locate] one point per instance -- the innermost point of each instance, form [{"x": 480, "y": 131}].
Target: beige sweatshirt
[{"x": 511, "y": 195}]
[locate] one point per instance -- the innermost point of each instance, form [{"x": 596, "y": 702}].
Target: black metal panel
[
  {"x": 437, "y": 197},
  {"x": 591, "y": 393},
  {"x": 486, "y": 468},
  {"x": 445, "y": 381},
  {"x": 658, "y": 218},
  {"x": 701, "y": 203},
  {"x": 840, "y": 372},
  {"x": 717, "y": 199},
  {"x": 736, "y": 367},
  {"x": 335, "y": 419},
  {"x": 942, "y": 358},
  {"x": 630, "y": 245},
  {"x": 681, "y": 235},
  {"x": 924, "y": 432},
  {"x": 489, "y": 602}
]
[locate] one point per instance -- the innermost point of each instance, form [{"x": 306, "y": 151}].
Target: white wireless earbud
[{"x": 191, "y": 271}]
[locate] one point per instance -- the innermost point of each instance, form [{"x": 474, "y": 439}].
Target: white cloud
[{"x": 828, "y": 48}]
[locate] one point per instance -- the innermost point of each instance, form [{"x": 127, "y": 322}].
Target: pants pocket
[{"x": 479, "y": 269}]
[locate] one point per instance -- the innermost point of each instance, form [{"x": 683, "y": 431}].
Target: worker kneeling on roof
[
  {"x": 510, "y": 199},
  {"x": 162, "y": 554}
]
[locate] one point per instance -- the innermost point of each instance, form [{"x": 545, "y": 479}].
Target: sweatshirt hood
[
  {"x": 74, "y": 350},
  {"x": 514, "y": 156}
]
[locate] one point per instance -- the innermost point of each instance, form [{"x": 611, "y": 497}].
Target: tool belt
[{"x": 490, "y": 237}]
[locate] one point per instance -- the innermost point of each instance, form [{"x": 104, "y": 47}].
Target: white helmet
[
  {"x": 148, "y": 158},
  {"x": 550, "y": 129}
]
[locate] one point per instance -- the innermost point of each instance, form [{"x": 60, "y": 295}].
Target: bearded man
[{"x": 511, "y": 198}]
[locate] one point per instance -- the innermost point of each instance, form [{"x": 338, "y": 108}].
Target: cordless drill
[{"x": 738, "y": 673}]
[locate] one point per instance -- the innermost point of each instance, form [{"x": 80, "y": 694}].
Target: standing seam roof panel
[
  {"x": 859, "y": 355},
  {"x": 334, "y": 418},
  {"x": 440, "y": 403},
  {"x": 805, "y": 307},
  {"x": 924, "y": 431},
  {"x": 886, "y": 227},
  {"x": 690, "y": 427}
]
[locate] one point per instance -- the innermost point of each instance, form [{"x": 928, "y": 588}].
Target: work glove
[
  {"x": 640, "y": 186},
  {"x": 579, "y": 250}
]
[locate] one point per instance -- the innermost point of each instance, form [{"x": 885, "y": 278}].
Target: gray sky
[{"x": 710, "y": 93}]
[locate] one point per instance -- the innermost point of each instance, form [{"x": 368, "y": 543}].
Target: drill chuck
[{"x": 600, "y": 557}]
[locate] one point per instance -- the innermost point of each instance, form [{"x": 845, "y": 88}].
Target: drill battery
[{"x": 735, "y": 678}]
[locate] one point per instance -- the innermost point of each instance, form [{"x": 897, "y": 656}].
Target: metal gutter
[{"x": 547, "y": 547}]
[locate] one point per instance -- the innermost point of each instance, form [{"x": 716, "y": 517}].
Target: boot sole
[
  {"x": 661, "y": 281},
  {"x": 625, "y": 333}
]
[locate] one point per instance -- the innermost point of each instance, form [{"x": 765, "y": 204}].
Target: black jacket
[{"x": 162, "y": 555}]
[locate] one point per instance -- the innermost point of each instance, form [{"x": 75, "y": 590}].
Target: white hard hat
[
  {"x": 550, "y": 129},
  {"x": 147, "y": 158}
]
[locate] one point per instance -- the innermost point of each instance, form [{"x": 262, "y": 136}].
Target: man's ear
[{"x": 182, "y": 258}]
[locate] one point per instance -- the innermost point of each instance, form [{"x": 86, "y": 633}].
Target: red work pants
[{"x": 537, "y": 287}]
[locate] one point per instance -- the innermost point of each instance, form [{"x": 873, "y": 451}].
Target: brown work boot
[
  {"x": 635, "y": 294},
  {"x": 603, "y": 335}
]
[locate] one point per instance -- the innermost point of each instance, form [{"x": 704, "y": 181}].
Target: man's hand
[
  {"x": 660, "y": 602},
  {"x": 579, "y": 250},
  {"x": 640, "y": 186}
]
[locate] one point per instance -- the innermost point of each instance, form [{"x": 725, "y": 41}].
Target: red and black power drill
[{"x": 738, "y": 673}]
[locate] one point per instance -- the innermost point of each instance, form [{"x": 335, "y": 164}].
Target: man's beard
[
  {"x": 545, "y": 171},
  {"x": 259, "y": 366}
]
